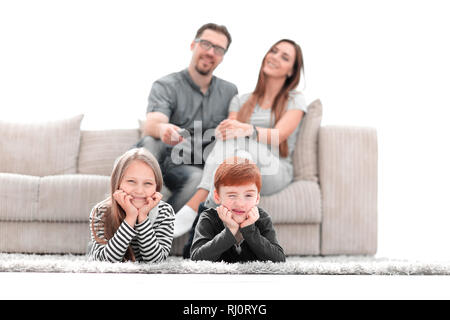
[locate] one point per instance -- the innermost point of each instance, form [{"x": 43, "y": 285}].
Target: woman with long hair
[
  {"x": 133, "y": 223},
  {"x": 261, "y": 125}
]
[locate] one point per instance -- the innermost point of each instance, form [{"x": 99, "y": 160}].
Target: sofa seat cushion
[
  {"x": 70, "y": 198},
  {"x": 300, "y": 202},
  {"x": 63, "y": 198},
  {"x": 18, "y": 197},
  {"x": 299, "y": 239},
  {"x": 40, "y": 149},
  {"x": 44, "y": 237}
]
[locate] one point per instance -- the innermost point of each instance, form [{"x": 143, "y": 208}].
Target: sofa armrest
[{"x": 348, "y": 175}]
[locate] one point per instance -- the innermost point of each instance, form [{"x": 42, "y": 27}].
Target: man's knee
[
  {"x": 151, "y": 144},
  {"x": 183, "y": 176},
  {"x": 194, "y": 177}
]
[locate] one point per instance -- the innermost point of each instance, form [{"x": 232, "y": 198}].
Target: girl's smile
[{"x": 139, "y": 182}]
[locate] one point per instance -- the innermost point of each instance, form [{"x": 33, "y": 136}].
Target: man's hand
[
  {"x": 252, "y": 217},
  {"x": 226, "y": 216},
  {"x": 168, "y": 133}
]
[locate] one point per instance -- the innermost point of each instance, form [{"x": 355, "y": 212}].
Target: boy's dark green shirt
[{"x": 214, "y": 242}]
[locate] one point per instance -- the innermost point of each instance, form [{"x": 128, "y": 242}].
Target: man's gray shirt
[{"x": 181, "y": 100}]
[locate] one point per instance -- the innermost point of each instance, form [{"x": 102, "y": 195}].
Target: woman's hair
[
  {"x": 279, "y": 104},
  {"x": 115, "y": 214},
  {"x": 236, "y": 171}
]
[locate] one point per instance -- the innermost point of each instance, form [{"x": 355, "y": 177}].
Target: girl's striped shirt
[{"x": 150, "y": 240}]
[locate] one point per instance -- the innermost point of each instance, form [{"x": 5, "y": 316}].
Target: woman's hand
[
  {"x": 226, "y": 216},
  {"x": 229, "y": 129},
  {"x": 252, "y": 217},
  {"x": 152, "y": 202}
]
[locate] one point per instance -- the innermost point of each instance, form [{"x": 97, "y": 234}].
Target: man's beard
[{"x": 203, "y": 72}]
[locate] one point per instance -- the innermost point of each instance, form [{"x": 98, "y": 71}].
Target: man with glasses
[{"x": 195, "y": 100}]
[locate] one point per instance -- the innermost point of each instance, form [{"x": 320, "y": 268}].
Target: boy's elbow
[
  {"x": 194, "y": 255},
  {"x": 282, "y": 257},
  {"x": 279, "y": 256},
  {"x": 277, "y": 259},
  {"x": 197, "y": 255}
]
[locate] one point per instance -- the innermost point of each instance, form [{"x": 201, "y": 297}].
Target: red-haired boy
[{"x": 237, "y": 231}]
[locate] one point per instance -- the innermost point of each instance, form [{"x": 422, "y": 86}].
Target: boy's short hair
[{"x": 237, "y": 171}]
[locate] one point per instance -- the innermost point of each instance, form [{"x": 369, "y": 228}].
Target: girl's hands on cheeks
[
  {"x": 252, "y": 217},
  {"x": 124, "y": 200},
  {"x": 133, "y": 213},
  {"x": 152, "y": 202},
  {"x": 226, "y": 216}
]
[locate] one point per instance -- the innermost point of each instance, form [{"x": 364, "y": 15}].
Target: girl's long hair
[
  {"x": 115, "y": 214},
  {"x": 280, "y": 102}
]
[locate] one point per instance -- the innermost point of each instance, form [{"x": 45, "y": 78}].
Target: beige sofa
[{"x": 51, "y": 174}]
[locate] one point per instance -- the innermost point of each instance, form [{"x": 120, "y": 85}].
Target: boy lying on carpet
[
  {"x": 237, "y": 231},
  {"x": 133, "y": 223}
]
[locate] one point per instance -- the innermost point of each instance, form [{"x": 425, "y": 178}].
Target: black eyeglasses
[{"x": 205, "y": 44}]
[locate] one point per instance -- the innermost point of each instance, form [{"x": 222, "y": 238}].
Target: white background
[{"x": 383, "y": 64}]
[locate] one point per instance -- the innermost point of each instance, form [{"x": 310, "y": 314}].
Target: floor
[{"x": 219, "y": 287}]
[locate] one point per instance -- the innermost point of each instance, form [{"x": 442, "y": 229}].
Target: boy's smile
[{"x": 238, "y": 199}]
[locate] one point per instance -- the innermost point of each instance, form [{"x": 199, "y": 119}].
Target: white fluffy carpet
[{"x": 335, "y": 265}]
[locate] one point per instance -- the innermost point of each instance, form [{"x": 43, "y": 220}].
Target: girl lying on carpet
[
  {"x": 133, "y": 223},
  {"x": 237, "y": 231}
]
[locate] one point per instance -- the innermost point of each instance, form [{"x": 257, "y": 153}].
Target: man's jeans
[
  {"x": 188, "y": 245},
  {"x": 182, "y": 181}
]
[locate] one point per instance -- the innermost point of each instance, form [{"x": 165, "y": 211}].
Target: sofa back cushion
[
  {"x": 40, "y": 149},
  {"x": 100, "y": 149},
  {"x": 305, "y": 157}
]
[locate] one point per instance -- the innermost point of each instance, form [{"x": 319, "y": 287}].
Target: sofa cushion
[
  {"x": 44, "y": 237},
  {"x": 40, "y": 149},
  {"x": 70, "y": 198},
  {"x": 99, "y": 149},
  {"x": 18, "y": 197},
  {"x": 300, "y": 202},
  {"x": 299, "y": 239},
  {"x": 305, "y": 157}
]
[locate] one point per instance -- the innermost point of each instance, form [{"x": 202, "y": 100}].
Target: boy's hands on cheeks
[
  {"x": 226, "y": 216},
  {"x": 252, "y": 217}
]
